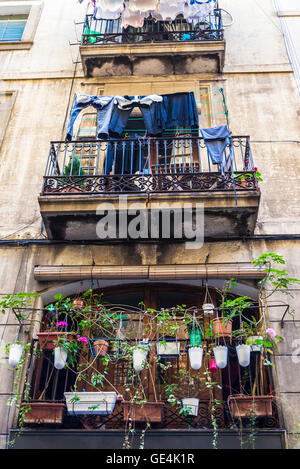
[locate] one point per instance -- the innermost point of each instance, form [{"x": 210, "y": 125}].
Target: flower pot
[
  {"x": 60, "y": 357},
  {"x": 15, "y": 354},
  {"x": 242, "y": 406},
  {"x": 221, "y": 355},
  {"x": 169, "y": 349},
  {"x": 96, "y": 403},
  {"x": 243, "y": 353},
  {"x": 100, "y": 347},
  {"x": 139, "y": 357},
  {"x": 191, "y": 404},
  {"x": 255, "y": 347},
  {"x": 145, "y": 412},
  {"x": 208, "y": 309},
  {"x": 43, "y": 412},
  {"x": 213, "y": 366},
  {"x": 78, "y": 304},
  {"x": 221, "y": 327},
  {"x": 195, "y": 356},
  {"x": 195, "y": 338},
  {"x": 46, "y": 338}
]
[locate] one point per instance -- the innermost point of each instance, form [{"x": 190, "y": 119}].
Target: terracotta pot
[
  {"x": 78, "y": 303},
  {"x": 243, "y": 406},
  {"x": 46, "y": 339},
  {"x": 100, "y": 347},
  {"x": 147, "y": 412},
  {"x": 43, "y": 412},
  {"x": 221, "y": 327}
]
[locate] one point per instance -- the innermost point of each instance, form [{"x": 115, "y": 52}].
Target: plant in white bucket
[
  {"x": 95, "y": 403},
  {"x": 139, "y": 355},
  {"x": 195, "y": 356},
  {"x": 243, "y": 352},
  {"x": 191, "y": 405},
  {"x": 60, "y": 357},
  {"x": 208, "y": 309},
  {"x": 221, "y": 355},
  {"x": 14, "y": 354}
]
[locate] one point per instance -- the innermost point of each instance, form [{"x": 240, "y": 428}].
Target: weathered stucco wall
[{"x": 263, "y": 103}]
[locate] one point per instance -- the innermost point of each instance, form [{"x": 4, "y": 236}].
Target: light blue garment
[
  {"x": 216, "y": 139},
  {"x": 104, "y": 106}
]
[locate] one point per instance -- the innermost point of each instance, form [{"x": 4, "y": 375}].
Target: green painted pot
[{"x": 195, "y": 338}]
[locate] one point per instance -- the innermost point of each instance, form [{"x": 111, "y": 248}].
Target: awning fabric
[{"x": 147, "y": 272}]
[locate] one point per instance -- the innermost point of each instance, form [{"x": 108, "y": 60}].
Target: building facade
[{"x": 240, "y": 73}]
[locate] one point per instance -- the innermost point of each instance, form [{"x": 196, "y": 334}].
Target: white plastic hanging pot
[
  {"x": 139, "y": 358},
  {"x": 255, "y": 347},
  {"x": 60, "y": 357},
  {"x": 208, "y": 309},
  {"x": 243, "y": 353},
  {"x": 196, "y": 355},
  {"x": 221, "y": 355},
  {"x": 15, "y": 354},
  {"x": 191, "y": 404}
]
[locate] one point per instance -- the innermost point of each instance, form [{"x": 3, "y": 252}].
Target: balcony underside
[
  {"x": 75, "y": 216},
  {"x": 153, "y": 58},
  {"x": 154, "y": 439}
]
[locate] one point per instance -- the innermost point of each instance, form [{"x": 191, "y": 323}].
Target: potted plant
[
  {"x": 39, "y": 412},
  {"x": 195, "y": 357},
  {"x": 139, "y": 355},
  {"x": 221, "y": 355},
  {"x": 95, "y": 403},
  {"x": 190, "y": 405},
  {"x": 50, "y": 339},
  {"x": 15, "y": 352},
  {"x": 168, "y": 347},
  {"x": 242, "y": 406},
  {"x": 143, "y": 411},
  {"x": 72, "y": 173},
  {"x": 243, "y": 353}
]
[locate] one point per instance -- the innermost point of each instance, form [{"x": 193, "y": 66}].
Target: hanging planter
[
  {"x": 139, "y": 357},
  {"x": 95, "y": 403},
  {"x": 100, "y": 347},
  {"x": 15, "y": 354},
  {"x": 213, "y": 366},
  {"x": 221, "y": 327},
  {"x": 252, "y": 342},
  {"x": 168, "y": 348},
  {"x": 144, "y": 412},
  {"x": 242, "y": 406},
  {"x": 208, "y": 309},
  {"x": 195, "y": 337},
  {"x": 221, "y": 355},
  {"x": 46, "y": 339},
  {"x": 191, "y": 404},
  {"x": 243, "y": 352},
  {"x": 195, "y": 356},
  {"x": 60, "y": 357}
]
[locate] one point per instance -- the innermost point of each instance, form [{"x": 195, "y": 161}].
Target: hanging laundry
[
  {"x": 101, "y": 13},
  {"x": 195, "y": 12},
  {"x": 216, "y": 140},
  {"x": 111, "y": 5},
  {"x": 180, "y": 111},
  {"x": 104, "y": 106},
  {"x": 169, "y": 9},
  {"x": 143, "y": 5},
  {"x": 133, "y": 18},
  {"x": 152, "y": 111}
]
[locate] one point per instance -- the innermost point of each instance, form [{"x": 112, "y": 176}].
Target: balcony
[
  {"x": 163, "y": 380},
  {"x": 85, "y": 178},
  {"x": 158, "y": 48}
]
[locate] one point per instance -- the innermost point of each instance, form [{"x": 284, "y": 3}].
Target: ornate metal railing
[
  {"x": 147, "y": 165},
  {"x": 102, "y": 31}
]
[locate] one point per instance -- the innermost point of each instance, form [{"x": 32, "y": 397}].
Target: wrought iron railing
[
  {"x": 102, "y": 31},
  {"x": 147, "y": 165}
]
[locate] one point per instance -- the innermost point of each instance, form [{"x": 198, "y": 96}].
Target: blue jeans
[{"x": 104, "y": 106}]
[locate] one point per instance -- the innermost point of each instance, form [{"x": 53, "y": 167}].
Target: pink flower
[
  {"x": 82, "y": 339},
  {"x": 61, "y": 323},
  {"x": 271, "y": 332}
]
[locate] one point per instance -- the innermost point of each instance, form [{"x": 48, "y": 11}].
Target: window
[
  {"x": 18, "y": 24},
  {"x": 12, "y": 27}
]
